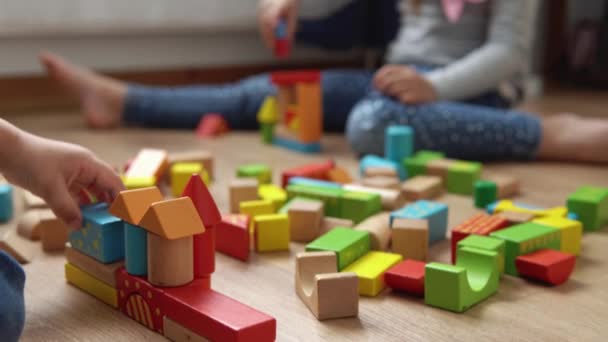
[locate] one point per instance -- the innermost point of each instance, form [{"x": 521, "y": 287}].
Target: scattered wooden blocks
[
  {"x": 102, "y": 235},
  {"x": 271, "y": 232},
  {"x": 458, "y": 287},
  {"x": 571, "y": 232},
  {"x": 526, "y": 238},
  {"x": 370, "y": 269},
  {"x": 133, "y": 183},
  {"x": 20, "y": 249},
  {"x": 379, "y": 230},
  {"x": 325, "y": 292},
  {"x": 256, "y": 208},
  {"x": 348, "y": 244},
  {"x": 318, "y": 171},
  {"x": 380, "y": 171},
  {"x": 485, "y": 243},
  {"x": 211, "y": 125},
  {"x": 305, "y": 218},
  {"x": 181, "y": 173},
  {"x": 198, "y": 156},
  {"x": 390, "y": 199},
  {"x": 382, "y": 182},
  {"x": 6, "y": 202},
  {"x": 417, "y": 164},
  {"x": 436, "y": 213},
  {"x": 398, "y": 143},
  {"x": 242, "y": 190},
  {"x": 480, "y": 224},
  {"x": 410, "y": 238},
  {"x": 591, "y": 206},
  {"x": 422, "y": 187},
  {"x": 339, "y": 175},
  {"x": 273, "y": 193},
  {"x": 375, "y": 161},
  {"x": 329, "y": 223},
  {"x": 147, "y": 164},
  {"x": 462, "y": 177},
  {"x": 261, "y": 172},
  {"x": 507, "y": 186},
  {"x": 546, "y": 265},
  {"x": 53, "y": 232},
  {"x": 105, "y": 273},
  {"x": 515, "y": 217},
  {"x": 297, "y": 180},
  {"x": 358, "y": 206},
  {"x": 232, "y": 236},
  {"x": 406, "y": 276},
  {"x": 485, "y": 193},
  {"x": 440, "y": 167},
  {"x": 331, "y": 197},
  {"x": 91, "y": 285}
]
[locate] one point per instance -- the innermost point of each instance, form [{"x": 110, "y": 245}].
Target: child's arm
[
  {"x": 507, "y": 48},
  {"x": 55, "y": 171}
]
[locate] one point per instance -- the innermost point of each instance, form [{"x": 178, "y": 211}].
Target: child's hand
[
  {"x": 404, "y": 84},
  {"x": 58, "y": 172},
  {"x": 269, "y": 14}
]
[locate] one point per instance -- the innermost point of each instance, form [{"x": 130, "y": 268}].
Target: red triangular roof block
[{"x": 203, "y": 201}]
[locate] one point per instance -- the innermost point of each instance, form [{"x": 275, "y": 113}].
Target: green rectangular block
[
  {"x": 526, "y": 238},
  {"x": 462, "y": 177},
  {"x": 358, "y": 206},
  {"x": 262, "y": 172},
  {"x": 348, "y": 244},
  {"x": 330, "y": 197},
  {"x": 591, "y": 206},
  {"x": 486, "y": 243},
  {"x": 416, "y": 165}
]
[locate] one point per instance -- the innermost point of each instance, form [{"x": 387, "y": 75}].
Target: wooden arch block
[{"x": 325, "y": 292}]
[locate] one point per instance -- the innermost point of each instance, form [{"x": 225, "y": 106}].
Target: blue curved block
[{"x": 6, "y": 202}]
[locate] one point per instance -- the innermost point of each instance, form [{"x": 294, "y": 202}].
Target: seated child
[
  {"x": 57, "y": 172},
  {"x": 442, "y": 77}
]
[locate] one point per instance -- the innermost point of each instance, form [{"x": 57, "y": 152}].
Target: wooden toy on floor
[
  {"x": 380, "y": 171},
  {"x": 91, "y": 285},
  {"x": 148, "y": 164},
  {"x": 106, "y": 273},
  {"x": 379, "y": 230},
  {"x": 327, "y": 293},
  {"x": 271, "y": 232},
  {"x": 382, "y": 182},
  {"x": 181, "y": 173},
  {"x": 274, "y": 194},
  {"x": 462, "y": 176},
  {"x": 485, "y": 243},
  {"x": 261, "y": 172},
  {"x": 305, "y": 218},
  {"x": 318, "y": 171},
  {"x": 348, "y": 244},
  {"x": 329, "y": 223},
  {"x": 373, "y": 161},
  {"x": 339, "y": 175},
  {"x": 507, "y": 186},
  {"x": 212, "y": 125},
  {"x": 591, "y": 206},
  {"x": 196, "y": 156},
  {"x": 571, "y": 232},
  {"x": 546, "y": 265},
  {"x": 391, "y": 199},
  {"x": 440, "y": 167},
  {"x": 480, "y": 224},
  {"x": 53, "y": 232},
  {"x": 417, "y": 164},
  {"x": 102, "y": 235},
  {"x": 398, "y": 143},
  {"x": 29, "y": 224},
  {"x": 232, "y": 236},
  {"x": 242, "y": 190},
  {"x": 422, "y": 187},
  {"x": 370, "y": 269},
  {"x": 515, "y": 217},
  {"x": 485, "y": 192},
  {"x": 267, "y": 117},
  {"x": 406, "y": 276},
  {"x": 409, "y": 238},
  {"x": 300, "y": 123},
  {"x": 436, "y": 213}
]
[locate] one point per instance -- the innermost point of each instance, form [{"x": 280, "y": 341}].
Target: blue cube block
[
  {"x": 6, "y": 203},
  {"x": 398, "y": 143},
  {"x": 136, "y": 250},
  {"x": 102, "y": 235},
  {"x": 375, "y": 161},
  {"x": 435, "y": 213}
]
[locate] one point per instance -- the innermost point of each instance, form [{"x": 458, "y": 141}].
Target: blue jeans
[
  {"x": 12, "y": 308},
  {"x": 481, "y": 128}
]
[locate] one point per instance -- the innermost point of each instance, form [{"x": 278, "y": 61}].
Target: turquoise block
[
  {"x": 375, "y": 161},
  {"x": 6, "y": 202},
  {"x": 297, "y": 146},
  {"x": 313, "y": 182},
  {"x": 136, "y": 250},
  {"x": 436, "y": 213},
  {"x": 398, "y": 143},
  {"x": 102, "y": 235}
]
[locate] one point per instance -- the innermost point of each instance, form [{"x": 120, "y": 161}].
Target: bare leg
[
  {"x": 101, "y": 98},
  {"x": 568, "y": 137}
]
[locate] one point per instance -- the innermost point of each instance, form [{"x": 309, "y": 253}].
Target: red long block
[
  {"x": 406, "y": 276},
  {"x": 296, "y": 76},
  {"x": 140, "y": 301},
  {"x": 204, "y": 244},
  {"x": 218, "y": 317},
  {"x": 232, "y": 236},
  {"x": 211, "y": 125},
  {"x": 546, "y": 265},
  {"x": 480, "y": 224},
  {"x": 316, "y": 171},
  {"x": 282, "y": 48}
]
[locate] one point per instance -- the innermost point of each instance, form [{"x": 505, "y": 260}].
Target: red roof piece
[
  {"x": 296, "y": 76},
  {"x": 546, "y": 265},
  {"x": 217, "y": 317},
  {"x": 203, "y": 201},
  {"x": 313, "y": 170},
  {"x": 232, "y": 236}
]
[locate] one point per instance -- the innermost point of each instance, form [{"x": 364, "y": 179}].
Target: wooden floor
[{"x": 520, "y": 311}]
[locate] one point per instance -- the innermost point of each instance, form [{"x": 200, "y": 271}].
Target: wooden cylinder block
[{"x": 170, "y": 262}]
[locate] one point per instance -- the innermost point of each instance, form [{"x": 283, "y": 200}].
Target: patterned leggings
[{"x": 481, "y": 128}]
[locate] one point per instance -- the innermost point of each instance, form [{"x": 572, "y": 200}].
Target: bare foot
[
  {"x": 101, "y": 98},
  {"x": 570, "y": 137}
]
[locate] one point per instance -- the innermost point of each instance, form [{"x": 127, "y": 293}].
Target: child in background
[
  {"x": 57, "y": 172},
  {"x": 442, "y": 77}
]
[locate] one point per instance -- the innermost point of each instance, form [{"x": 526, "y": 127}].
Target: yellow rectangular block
[
  {"x": 91, "y": 285},
  {"x": 273, "y": 193},
  {"x": 272, "y": 232},
  {"x": 132, "y": 183},
  {"x": 181, "y": 173},
  {"x": 370, "y": 269},
  {"x": 571, "y": 232}
]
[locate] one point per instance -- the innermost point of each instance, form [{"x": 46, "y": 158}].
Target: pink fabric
[{"x": 453, "y": 8}]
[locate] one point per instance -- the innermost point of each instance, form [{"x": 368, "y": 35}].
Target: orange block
[
  {"x": 339, "y": 175},
  {"x": 131, "y": 205},
  {"x": 173, "y": 219},
  {"x": 310, "y": 111}
]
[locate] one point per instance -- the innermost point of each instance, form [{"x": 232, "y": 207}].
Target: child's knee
[
  {"x": 12, "y": 308},
  {"x": 365, "y": 129}
]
